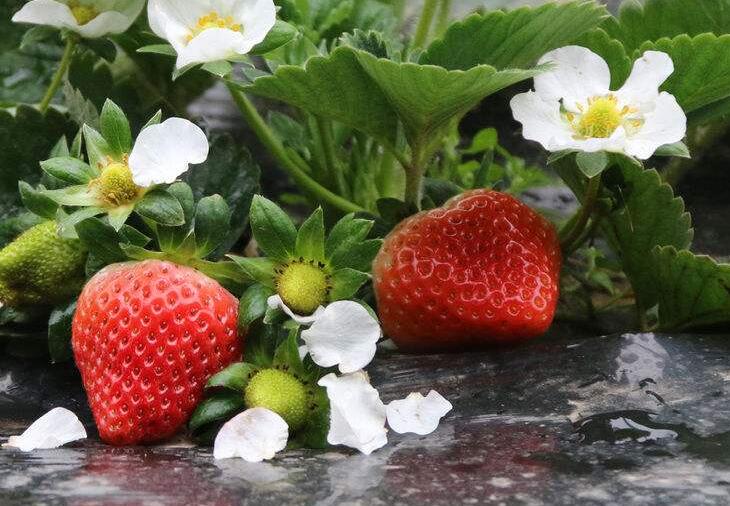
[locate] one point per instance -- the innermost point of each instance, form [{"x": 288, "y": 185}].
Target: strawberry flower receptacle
[{"x": 573, "y": 107}]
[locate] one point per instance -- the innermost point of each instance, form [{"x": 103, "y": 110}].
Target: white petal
[
  {"x": 106, "y": 23},
  {"x": 666, "y": 124},
  {"x": 648, "y": 74},
  {"x": 163, "y": 152},
  {"x": 256, "y": 434},
  {"x": 345, "y": 335},
  {"x": 257, "y": 18},
  {"x": 275, "y": 302},
  {"x": 541, "y": 120},
  {"x": 54, "y": 429},
  {"x": 357, "y": 415},
  {"x": 173, "y": 20},
  {"x": 417, "y": 414},
  {"x": 46, "y": 12},
  {"x": 211, "y": 45},
  {"x": 578, "y": 74}
]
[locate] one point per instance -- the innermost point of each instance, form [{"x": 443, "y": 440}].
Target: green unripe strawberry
[
  {"x": 281, "y": 393},
  {"x": 41, "y": 268}
]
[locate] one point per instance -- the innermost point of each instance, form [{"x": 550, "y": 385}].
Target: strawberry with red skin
[
  {"x": 147, "y": 336},
  {"x": 481, "y": 270}
]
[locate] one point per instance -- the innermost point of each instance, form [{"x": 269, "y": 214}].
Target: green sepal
[
  {"x": 253, "y": 304},
  {"x": 163, "y": 49},
  {"x": 260, "y": 270},
  {"x": 69, "y": 170},
  {"x": 37, "y": 202},
  {"x": 154, "y": 120},
  {"x": 219, "y": 69},
  {"x": 115, "y": 129},
  {"x": 358, "y": 256},
  {"x": 102, "y": 241},
  {"x": 226, "y": 273},
  {"x": 346, "y": 283},
  {"x": 216, "y": 410},
  {"x": 67, "y": 222},
  {"x": 170, "y": 239},
  {"x": 119, "y": 215},
  {"x": 592, "y": 164},
  {"x": 161, "y": 207},
  {"x": 678, "y": 149},
  {"x": 74, "y": 196},
  {"x": 281, "y": 34},
  {"x": 212, "y": 224},
  {"x": 274, "y": 232},
  {"x": 346, "y": 233},
  {"x": 59, "y": 333},
  {"x": 310, "y": 238},
  {"x": 97, "y": 148},
  {"x": 234, "y": 377},
  {"x": 314, "y": 433},
  {"x": 287, "y": 355}
]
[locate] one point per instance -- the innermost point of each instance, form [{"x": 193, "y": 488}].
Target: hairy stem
[
  {"x": 68, "y": 53},
  {"x": 443, "y": 17},
  {"x": 581, "y": 219},
  {"x": 424, "y": 24},
  {"x": 333, "y": 167},
  {"x": 277, "y": 150}
]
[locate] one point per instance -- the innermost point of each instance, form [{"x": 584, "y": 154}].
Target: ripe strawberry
[
  {"x": 147, "y": 336},
  {"x": 481, "y": 270}
]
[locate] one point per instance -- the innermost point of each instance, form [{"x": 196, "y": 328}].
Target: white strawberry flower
[
  {"x": 342, "y": 334},
  {"x": 165, "y": 151},
  {"x": 573, "y": 107},
  {"x": 255, "y": 435},
  {"x": 54, "y": 429},
  {"x": 89, "y": 18},
  {"x": 212, "y": 30}
]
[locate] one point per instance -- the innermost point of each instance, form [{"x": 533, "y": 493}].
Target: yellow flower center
[
  {"x": 116, "y": 186},
  {"x": 83, "y": 13},
  {"x": 213, "y": 20},
  {"x": 303, "y": 286},
  {"x": 601, "y": 118}
]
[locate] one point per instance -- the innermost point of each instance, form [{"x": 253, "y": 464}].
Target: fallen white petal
[
  {"x": 344, "y": 335},
  {"x": 417, "y": 414},
  {"x": 165, "y": 151},
  {"x": 275, "y": 302},
  {"x": 256, "y": 434},
  {"x": 357, "y": 415},
  {"x": 54, "y": 429}
]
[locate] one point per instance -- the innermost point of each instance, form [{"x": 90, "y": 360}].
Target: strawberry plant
[{"x": 138, "y": 241}]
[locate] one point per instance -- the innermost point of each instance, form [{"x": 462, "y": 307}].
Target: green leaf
[
  {"x": 485, "y": 140},
  {"x": 514, "y": 39},
  {"x": 591, "y": 164},
  {"x": 101, "y": 240},
  {"x": 282, "y": 33},
  {"x": 37, "y": 202},
  {"x": 346, "y": 283},
  {"x": 212, "y": 223},
  {"x": 59, "y": 333},
  {"x": 96, "y": 147},
  {"x": 273, "y": 230},
  {"x": 652, "y": 20},
  {"x": 69, "y": 170},
  {"x": 254, "y": 304},
  {"x": 346, "y": 233},
  {"x": 678, "y": 149},
  {"x": 310, "y": 238},
  {"x": 161, "y": 207},
  {"x": 218, "y": 408},
  {"x": 335, "y": 87},
  {"x": 701, "y": 69},
  {"x": 693, "y": 290},
  {"x": 358, "y": 256},
  {"x": 115, "y": 129},
  {"x": 260, "y": 270},
  {"x": 234, "y": 377},
  {"x": 163, "y": 49}
]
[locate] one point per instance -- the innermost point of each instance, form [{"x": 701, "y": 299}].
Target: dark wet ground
[{"x": 633, "y": 419}]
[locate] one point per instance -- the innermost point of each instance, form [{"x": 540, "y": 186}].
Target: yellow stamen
[
  {"x": 213, "y": 20},
  {"x": 116, "y": 185},
  {"x": 303, "y": 286},
  {"x": 82, "y": 13},
  {"x": 601, "y": 118}
]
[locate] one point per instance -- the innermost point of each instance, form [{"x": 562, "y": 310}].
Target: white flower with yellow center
[
  {"x": 573, "y": 107},
  {"x": 89, "y": 18},
  {"x": 211, "y": 30}
]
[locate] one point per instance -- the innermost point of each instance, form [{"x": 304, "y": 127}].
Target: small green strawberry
[
  {"x": 40, "y": 268},
  {"x": 281, "y": 393}
]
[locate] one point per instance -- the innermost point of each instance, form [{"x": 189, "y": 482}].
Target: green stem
[
  {"x": 399, "y": 9},
  {"x": 68, "y": 53},
  {"x": 328, "y": 145},
  {"x": 570, "y": 236},
  {"x": 414, "y": 179},
  {"x": 444, "y": 17},
  {"x": 424, "y": 24},
  {"x": 277, "y": 150}
]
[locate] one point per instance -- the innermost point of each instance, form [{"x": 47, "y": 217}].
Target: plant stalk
[
  {"x": 444, "y": 17},
  {"x": 573, "y": 234},
  {"x": 333, "y": 167},
  {"x": 424, "y": 24},
  {"x": 68, "y": 53},
  {"x": 277, "y": 150}
]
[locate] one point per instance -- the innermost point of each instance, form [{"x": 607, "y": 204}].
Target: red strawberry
[
  {"x": 146, "y": 337},
  {"x": 481, "y": 270}
]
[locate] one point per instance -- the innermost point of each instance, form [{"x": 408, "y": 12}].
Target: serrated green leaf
[
  {"x": 212, "y": 223},
  {"x": 234, "y": 377},
  {"x": 701, "y": 69},
  {"x": 68, "y": 169},
  {"x": 254, "y": 304},
  {"x": 310, "y": 238},
  {"x": 514, "y": 39},
  {"x": 115, "y": 129},
  {"x": 693, "y": 290},
  {"x": 59, "y": 333},
  {"x": 260, "y": 270},
  {"x": 346, "y": 283},
  {"x": 273, "y": 229},
  {"x": 161, "y": 207}
]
